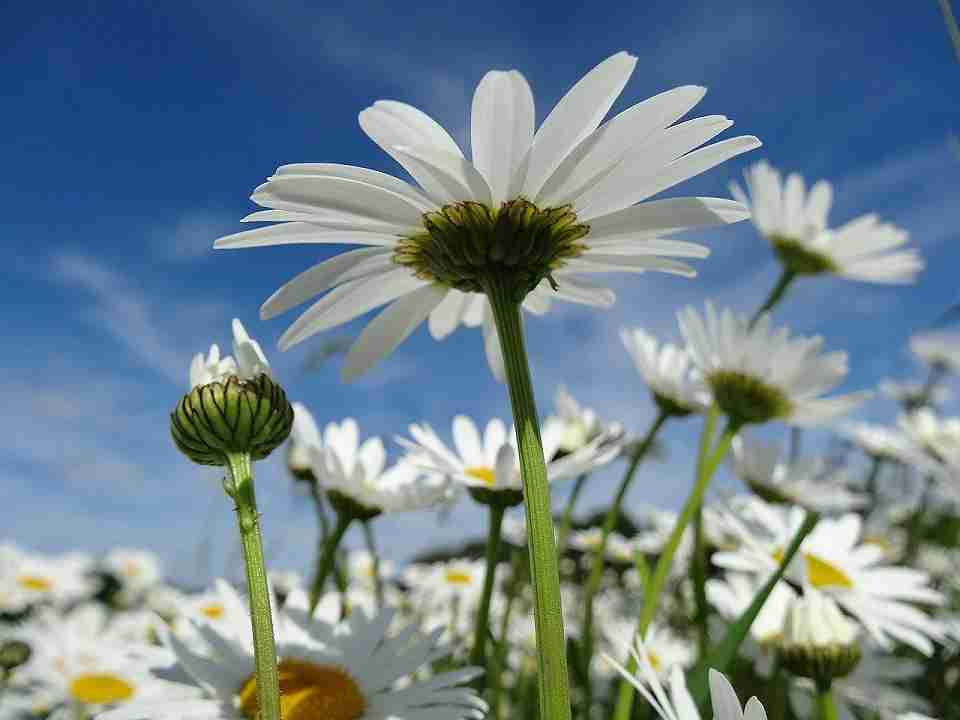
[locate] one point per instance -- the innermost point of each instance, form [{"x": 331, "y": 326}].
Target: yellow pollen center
[
  {"x": 214, "y": 611},
  {"x": 820, "y": 573},
  {"x": 309, "y": 691},
  {"x": 654, "y": 661},
  {"x": 34, "y": 582},
  {"x": 458, "y": 577},
  {"x": 100, "y": 689},
  {"x": 131, "y": 569},
  {"x": 486, "y": 475}
]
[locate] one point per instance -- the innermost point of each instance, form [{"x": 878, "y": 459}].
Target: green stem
[
  {"x": 599, "y": 553},
  {"x": 327, "y": 558},
  {"x": 698, "y": 565},
  {"x": 651, "y": 598},
  {"x": 776, "y": 294},
  {"x": 870, "y": 485},
  {"x": 239, "y": 485},
  {"x": 544, "y": 568},
  {"x": 375, "y": 559},
  {"x": 481, "y": 628},
  {"x": 513, "y": 589},
  {"x": 826, "y": 707},
  {"x": 566, "y": 521}
]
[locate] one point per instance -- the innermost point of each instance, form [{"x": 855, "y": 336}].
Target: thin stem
[
  {"x": 513, "y": 589},
  {"x": 544, "y": 568},
  {"x": 375, "y": 559},
  {"x": 239, "y": 484},
  {"x": 826, "y": 707},
  {"x": 328, "y": 558},
  {"x": 698, "y": 564},
  {"x": 566, "y": 520},
  {"x": 796, "y": 441},
  {"x": 776, "y": 294},
  {"x": 481, "y": 629},
  {"x": 651, "y": 598},
  {"x": 870, "y": 484},
  {"x": 599, "y": 553}
]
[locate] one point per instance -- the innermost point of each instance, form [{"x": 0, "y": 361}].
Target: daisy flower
[
  {"x": 939, "y": 437},
  {"x": 677, "y": 703},
  {"x": 938, "y": 348},
  {"x": 795, "y": 224},
  {"x": 886, "y": 443},
  {"x": 580, "y": 424},
  {"x": 668, "y": 371},
  {"x": 29, "y": 578},
  {"x": 528, "y": 212},
  {"x": 757, "y": 374},
  {"x": 491, "y": 462},
  {"x": 834, "y": 560},
  {"x": 665, "y": 649},
  {"x": 341, "y": 671},
  {"x": 805, "y": 481},
  {"x": 136, "y": 570},
  {"x": 914, "y": 394}
]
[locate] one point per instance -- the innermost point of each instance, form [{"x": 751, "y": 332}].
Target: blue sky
[{"x": 135, "y": 132}]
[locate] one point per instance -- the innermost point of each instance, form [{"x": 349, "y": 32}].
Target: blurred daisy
[
  {"x": 491, "y": 462},
  {"x": 914, "y": 394},
  {"x": 677, "y": 703},
  {"x": 248, "y": 363},
  {"x": 795, "y": 224},
  {"x": 617, "y": 548},
  {"x": 805, "y": 481},
  {"x": 29, "y": 578},
  {"x": 668, "y": 371},
  {"x": 665, "y": 648},
  {"x": 531, "y": 210},
  {"x": 938, "y": 436},
  {"x": 136, "y": 570},
  {"x": 341, "y": 671},
  {"x": 580, "y": 424},
  {"x": 757, "y": 374},
  {"x": 834, "y": 560},
  {"x": 886, "y": 443},
  {"x": 938, "y": 348}
]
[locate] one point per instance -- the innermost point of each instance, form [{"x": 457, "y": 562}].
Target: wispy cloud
[{"x": 190, "y": 237}]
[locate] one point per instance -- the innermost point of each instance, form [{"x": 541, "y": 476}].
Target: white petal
[
  {"x": 578, "y": 114},
  {"x": 350, "y": 198},
  {"x": 501, "y": 131},
  {"x": 341, "y": 268},
  {"x": 573, "y": 289},
  {"x": 726, "y": 705},
  {"x": 629, "y": 263},
  {"x": 491, "y": 346},
  {"x": 354, "y": 172},
  {"x": 459, "y": 179},
  {"x": 666, "y": 216},
  {"x": 447, "y": 315},
  {"x": 297, "y": 232},
  {"x": 390, "y": 328},
  {"x": 467, "y": 439},
  {"x": 348, "y": 301}
]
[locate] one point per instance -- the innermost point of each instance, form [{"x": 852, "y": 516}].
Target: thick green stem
[
  {"x": 544, "y": 568},
  {"x": 826, "y": 707},
  {"x": 776, "y": 294},
  {"x": 481, "y": 628},
  {"x": 698, "y": 564},
  {"x": 239, "y": 485},
  {"x": 651, "y": 598},
  {"x": 599, "y": 553},
  {"x": 375, "y": 559},
  {"x": 566, "y": 520},
  {"x": 328, "y": 558}
]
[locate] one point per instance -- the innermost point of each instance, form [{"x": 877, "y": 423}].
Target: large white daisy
[
  {"x": 534, "y": 210},
  {"x": 757, "y": 373},
  {"x": 339, "y": 671},
  {"x": 795, "y": 224},
  {"x": 834, "y": 560}
]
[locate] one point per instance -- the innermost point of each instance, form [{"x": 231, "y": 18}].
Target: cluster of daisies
[{"x": 826, "y": 588}]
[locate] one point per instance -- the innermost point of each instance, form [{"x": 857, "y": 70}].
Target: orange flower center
[{"x": 309, "y": 691}]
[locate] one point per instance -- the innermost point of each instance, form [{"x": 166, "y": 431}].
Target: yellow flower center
[
  {"x": 100, "y": 689},
  {"x": 458, "y": 577},
  {"x": 131, "y": 569},
  {"x": 309, "y": 691},
  {"x": 820, "y": 573},
  {"x": 214, "y": 611},
  {"x": 35, "y": 583},
  {"x": 654, "y": 660},
  {"x": 486, "y": 475}
]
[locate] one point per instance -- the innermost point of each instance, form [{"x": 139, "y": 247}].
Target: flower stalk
[
  {"x": 698, "y": 565},
  {"x": 239, "y": 485},
  {"x": 776, "y": 294},
  {"x": 327, "y": 559},
  {"x": 481, "y": 629},
  {"x": 826, "y": 706},
  {"x": 566, "y": 520},
  {"x": 375, "y": 560},
  {"x": 505, "y": 301}
]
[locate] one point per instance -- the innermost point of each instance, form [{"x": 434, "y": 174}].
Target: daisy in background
[
  {"x": 665, "y": 648},
  {"x": 912, "y": 395},
  {"x": 668, "y": 371},
  {"x": 347, "y": 671},
  {"x": 135, "y": 570},
  {"x": 795, "y": 223},
  {"x": 675, "y": 702},
  {"x": 939, "y": 437},
  {"x": 581, "y": 426},
  {"x": 757, "y": 374},
  {"x": 535, "y": 209},
  {"x": 446, "y": 592},
  {"x": 940, "y": 349},
  {"x": 834, "y": 560},
  {"x": 31, "y": 578},
  {"x": 805, "y": 481}
]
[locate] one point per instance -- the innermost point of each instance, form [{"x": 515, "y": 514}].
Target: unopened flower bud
[
  {"x": 13, "y": 654},
  {"x": 818, "y": 641}
]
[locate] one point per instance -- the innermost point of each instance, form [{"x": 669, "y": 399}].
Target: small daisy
[
  {"x": 136, "y": 570},
  {"x": 339, "y": 671},
  {"x": 665, "y": 648},
  {"x": 795, "y": 224},
  {"x": 938, "y": 436},
  {"x": 249, "y": 362},
  {"x": 29, "y": 578},
  {"x": 618, "y": 548},
  {"x": 757, "y": 374},
  {"x": 533, "y": 210},
  {"x": 679, "y": 704},
  {"x": 938, "y": 348},
  {"x": 491, "y": 462},
  {"x": 834, "y": 560},
  {"x": 668, "y": 371},
  {"x": 886, "y": 443},
  {"x": 805, "y": 481},
  {"x": 580, "y": 424},
  {"x": 913, "y": 394},
  {"x": 447, "y": 592}
]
